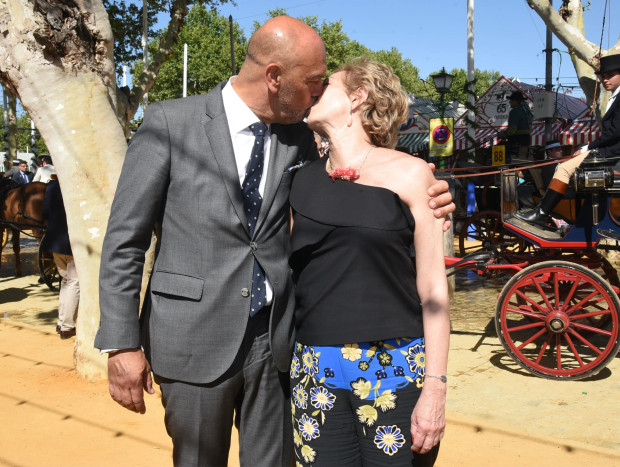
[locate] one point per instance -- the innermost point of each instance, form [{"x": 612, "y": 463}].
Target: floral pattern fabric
[{"x": 370, "y": 387}]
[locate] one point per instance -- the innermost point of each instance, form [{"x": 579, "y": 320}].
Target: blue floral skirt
[{"x": 352, "y": 403}]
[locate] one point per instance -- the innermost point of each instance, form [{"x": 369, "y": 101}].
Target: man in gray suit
[{"x": 217, "y": 354}]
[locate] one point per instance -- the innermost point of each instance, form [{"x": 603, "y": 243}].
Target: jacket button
[
  {"x": 245, "y": 292},
  {"x": 254, "y": 246}
]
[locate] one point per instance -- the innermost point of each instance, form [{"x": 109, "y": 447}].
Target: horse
[{"x": 21, "y": 209}]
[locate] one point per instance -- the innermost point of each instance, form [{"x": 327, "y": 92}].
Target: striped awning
[
  {"x": 414, "y": 141},
  {"x": 578, "y": 133},
  {"x": 487, "y": 137},
  {"x": 538, "y": 133}
]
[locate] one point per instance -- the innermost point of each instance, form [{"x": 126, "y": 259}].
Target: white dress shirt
[
  {"x": 44, "y": 174},
  {"x": 612, "y": 99},
  {"x": 240, "y": 117}
]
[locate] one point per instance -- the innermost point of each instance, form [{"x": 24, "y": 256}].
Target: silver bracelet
[{"x": 442, "y": 378}]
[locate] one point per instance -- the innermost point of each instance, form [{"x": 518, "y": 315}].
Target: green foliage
[
  {"x": 458, "y": 92},
  {"x": 126, "y": 22},
  {"x": 404, "y": 69},
  {"x": 24, "y": 140},
  {"x": 206, "y": 34}
]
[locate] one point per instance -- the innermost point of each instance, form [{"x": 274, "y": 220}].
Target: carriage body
[{"x": 558, "y": 315}]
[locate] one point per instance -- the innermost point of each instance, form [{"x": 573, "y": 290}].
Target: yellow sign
[
  {"x": 499, "y": 155},
  {"x": 441, "y": 138}
]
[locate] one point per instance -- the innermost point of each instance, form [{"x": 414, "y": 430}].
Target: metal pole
[
  {"x": 184, "y": 70},
  {"x": 145, "y": 50},
  {"x": 471, "y": 98},
  {"x": 548, "y": 78},
  {"x": 5, "y": 108},
  {"x": 33, "y": 141},
  {"x": 232, "y": 45}
]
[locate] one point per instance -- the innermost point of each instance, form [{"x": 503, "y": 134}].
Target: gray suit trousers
[{"x": 199, "y": 417}]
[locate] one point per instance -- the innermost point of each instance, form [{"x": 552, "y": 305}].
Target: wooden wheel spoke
[
  {"x": 571, "y": 345},
  {"x": 558, "y": 351},
  {"x": 526, "y": 326},
  {"x": 585, "y": 341},
  {"x": 542, "y": 293},
  {"x": 535, "y": 304},
  {"x": 570, "y": 294},
  {"x": 532, "y": 339},
  {"x": 581, "y": 304},
  {"x": 585, "y": 327},
  {"x": 592, "y": 314},
  {"x": 543, "y": 349},
  {"x": 525, "y": 312}
]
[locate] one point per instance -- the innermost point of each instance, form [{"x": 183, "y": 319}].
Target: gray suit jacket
[{"x": 180, "y": 170}]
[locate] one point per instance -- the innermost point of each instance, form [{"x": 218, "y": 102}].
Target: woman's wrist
[{"x": 442, "y": 378}]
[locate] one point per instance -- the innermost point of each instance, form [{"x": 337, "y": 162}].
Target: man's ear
[
  {"x": 358, "y": 97},
  {"x": 273, "y": 77}
]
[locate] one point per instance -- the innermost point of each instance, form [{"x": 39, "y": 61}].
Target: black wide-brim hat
[
  {"x": 517, "y": 96},
  {"x": 609, "y": 63}
]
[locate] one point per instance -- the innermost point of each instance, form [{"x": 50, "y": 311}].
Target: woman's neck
[{"x": 348, "y": 150}]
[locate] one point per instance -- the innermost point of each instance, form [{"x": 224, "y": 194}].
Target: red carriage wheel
[
  {"x": 5, "y": 236},
  {"x": 559, "y": 320},
  {"x": 486, "y": 228},
  {"x": 48, "y": 270}
]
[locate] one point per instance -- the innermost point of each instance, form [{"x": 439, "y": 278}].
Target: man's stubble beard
[{"x": 286, "y": 100}]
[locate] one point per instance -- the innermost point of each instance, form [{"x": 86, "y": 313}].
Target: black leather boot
[{"x": 540, "y": 215}]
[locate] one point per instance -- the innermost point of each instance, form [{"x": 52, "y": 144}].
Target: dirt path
[{"x": 498, "y": 415}]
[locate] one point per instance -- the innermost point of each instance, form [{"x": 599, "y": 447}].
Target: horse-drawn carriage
[
  {"x": 558, "y": 315},
  {"x": 20, "y": 213}
]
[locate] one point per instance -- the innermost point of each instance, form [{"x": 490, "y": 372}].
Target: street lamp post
[{"x": 442, "y": 82}]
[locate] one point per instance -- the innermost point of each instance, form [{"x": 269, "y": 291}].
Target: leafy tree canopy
[
  {"x": 483, "y": 79},
  {"x": 206, "y": 34},
  {"x": 126, "y": 22},
  {"x": 24, "y": 138}
]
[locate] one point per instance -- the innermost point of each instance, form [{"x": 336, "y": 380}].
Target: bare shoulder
[{"x": 406, "y": 175}]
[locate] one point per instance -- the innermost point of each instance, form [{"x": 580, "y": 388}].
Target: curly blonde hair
[{"x": 386, "y": 107}]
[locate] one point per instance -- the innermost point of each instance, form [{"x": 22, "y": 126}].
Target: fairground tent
[
  {"x": 581, "y": 130},
  {"x": 493, "y": 109},
  {"x": 414, "y": 134}
]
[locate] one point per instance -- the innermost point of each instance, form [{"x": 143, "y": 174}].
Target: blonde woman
[{"x": 368, "y": 376}]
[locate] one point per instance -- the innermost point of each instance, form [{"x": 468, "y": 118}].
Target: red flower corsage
[{"x": 349, "y": 174}]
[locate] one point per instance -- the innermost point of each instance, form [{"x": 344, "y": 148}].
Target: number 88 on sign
[{"x": 498, "y": 155}]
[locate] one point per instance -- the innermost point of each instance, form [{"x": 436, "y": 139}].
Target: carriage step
[{"x": 534, "y": 229}]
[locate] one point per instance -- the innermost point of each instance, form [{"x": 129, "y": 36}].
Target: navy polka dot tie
[{"x": 252, "y": 201}]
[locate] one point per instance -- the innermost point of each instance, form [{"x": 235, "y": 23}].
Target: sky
[{"x": 509, "y": 35}]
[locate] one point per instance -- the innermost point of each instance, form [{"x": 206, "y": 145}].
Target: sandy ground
[{"x": 498, "y": 415}]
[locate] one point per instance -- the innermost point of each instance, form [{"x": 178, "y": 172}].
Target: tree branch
[
  {"x": 145, "y": 81},
  {"x": 96, "y": 20},
  {"x": 570, "y": 35}
]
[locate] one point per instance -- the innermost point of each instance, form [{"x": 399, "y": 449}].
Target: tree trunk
[
  {"x": 56, "y": 57},
  {"x": 87, "y": 145}
]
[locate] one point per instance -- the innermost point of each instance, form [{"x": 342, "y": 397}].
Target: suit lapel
[{"x": 218, "y": 134}]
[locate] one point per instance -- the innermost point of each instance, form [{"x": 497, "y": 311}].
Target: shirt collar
[{"x": 239, "y": 115}]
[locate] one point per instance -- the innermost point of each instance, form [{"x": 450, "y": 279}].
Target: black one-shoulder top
[{"x": 353, "y": 261}]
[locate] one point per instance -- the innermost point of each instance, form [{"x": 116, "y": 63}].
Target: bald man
[{"x": 216, "y": 328}]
